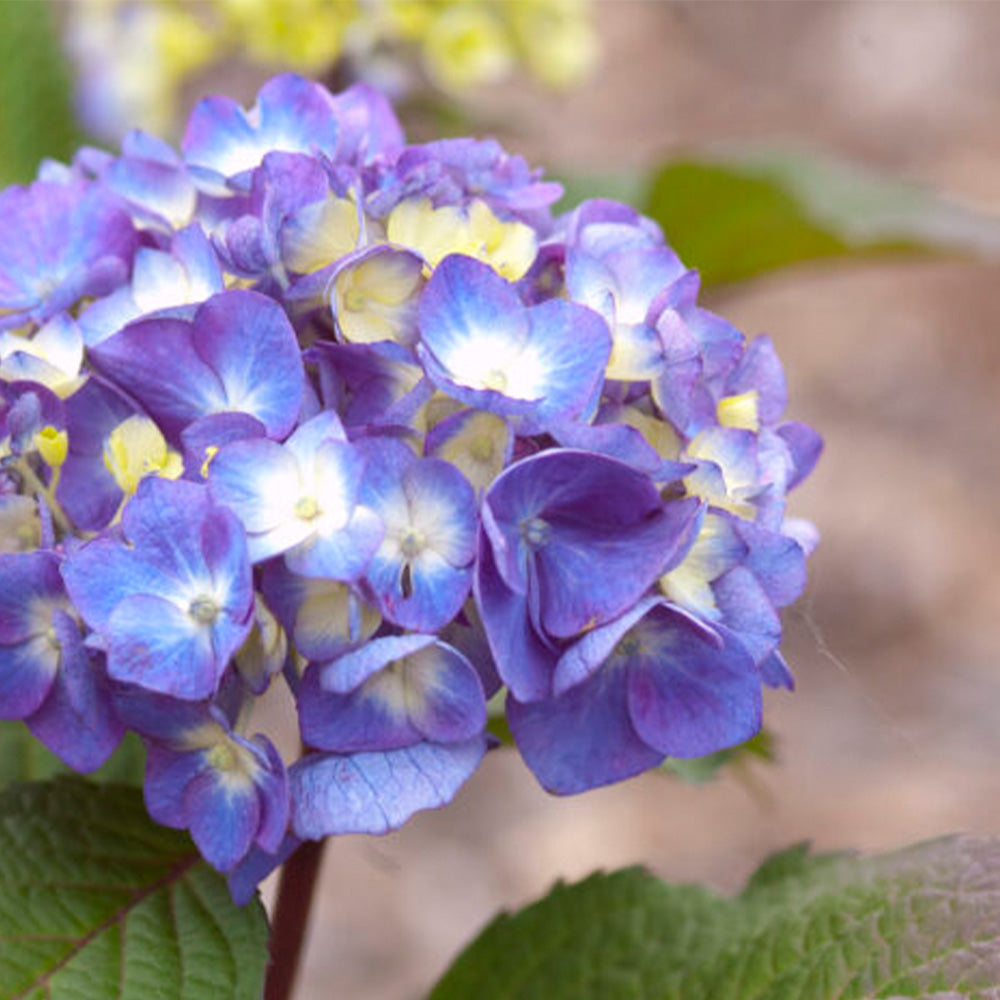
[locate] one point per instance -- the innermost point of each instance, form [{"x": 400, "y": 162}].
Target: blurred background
[{"x": 890, "y": 331}]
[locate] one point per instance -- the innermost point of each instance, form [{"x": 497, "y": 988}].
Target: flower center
[
  {"x": 355, "y": 300},
  {"x": 536, "y": 532},
  {"x": 306, "y": 509},
  {"x": 412, "y": 542},
  {"x": 203, "y": 610},
  {"x": 495, "y": 380}
]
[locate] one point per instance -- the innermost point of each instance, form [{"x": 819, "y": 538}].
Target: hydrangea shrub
[{"x": 300, "y": 404}]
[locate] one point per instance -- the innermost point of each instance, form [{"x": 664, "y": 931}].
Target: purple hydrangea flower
[{"x": 305, "y": 406}]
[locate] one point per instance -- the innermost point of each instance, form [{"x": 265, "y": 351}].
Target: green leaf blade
[
  {"x": 36, "y": 115},
  {"x": 97, "y": 901},
  {"x": 918, "y": 923}
]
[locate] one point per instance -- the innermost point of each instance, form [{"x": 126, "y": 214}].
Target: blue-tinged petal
[
  {"x": 630, "y": 560},
  {"x": 291, "y": 114},
  {"x": 371, "y": 717},
  {"x": 139, "y": 357},
  {"x": 442, "y": 510},
  {"x": 256, "y": 866},
  {"x": 523, "y": 660},
  {"x": 101, "y": 574},
  {"x": 466, "y": 310},
  {"x": 272, "y": 790},
  {"x": 29, "y": 587},
  {"x": 341, "y": 554},
  {"x": 777, "y": 561},
  {"x": 688, "y": 695},
  {"x": 223, "y": 815},
  {"x": 774, "y": 672},
  {"x": 248, "y": 342},
  {"x": 27, "y": 672},
  {"x": 77, "y": 721},
  {"x": 760, "y": 371},
  {"x": 163, "y": 522},
  {"x": 582, "y": 660},
  {"x": 223, "y": 544},
  {"x": 584, "y": 738},
  {"x": 168, "y": 775},
  {"x": 307, "y": 438},
  {"x": 748, "y": 611},
  {"x": 350, "y": 671},
  {"x": 377, "y": 792},
  {"x": 202, "y": 440},
  {"x": 368, "y": 125},
  {"x": 160, "y": 647},
  {"x": 258, "y": 480},
  {"x": 160, "y": 717},
  {"x": 805, "y": 446},
  {"x": 157, "y": 192},
  {"x": 438, "y": 593},
  {"x": 444, "y": 696}
]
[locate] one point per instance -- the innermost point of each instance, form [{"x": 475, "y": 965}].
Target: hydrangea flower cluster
[{"x": 303, "y": 405}]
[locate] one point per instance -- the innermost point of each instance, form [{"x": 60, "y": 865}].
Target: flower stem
[{"x": 291, "y": 918}]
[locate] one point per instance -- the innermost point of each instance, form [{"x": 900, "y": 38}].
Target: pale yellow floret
[
  {"x": 302, "y": 34},
  {"x": 326, "y": 611},
  {"x": 320, "y": 234},
  {"x": 373, "y": 297},
  {"x": 136, "y": 449},
  {"x": 740, "y": 411},
  {"x": 509, "y": 248},
  {"x": 478, "y": 449},
  {"x": 265, "y": 648},
  {"x": 467, "y": 45},
  {"x": 52, "y": 445},
  {"x": 556, "y": 38},
  {"x": 431, "y": 232},
  {"x": 689, "y": 583}
]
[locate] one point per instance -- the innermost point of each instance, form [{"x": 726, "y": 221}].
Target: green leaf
[
  {"x": 97, "y": 901},
  {"x": 23, "y": 758},
  {"x": 916, "y": 923},
  {"x": 36, "y": 115},
  {"x": 749, "y": 213}
]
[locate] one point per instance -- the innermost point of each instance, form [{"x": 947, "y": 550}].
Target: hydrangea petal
[{"x": 377, "y": 792}]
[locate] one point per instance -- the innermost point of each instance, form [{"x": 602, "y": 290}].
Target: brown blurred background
[{"x": 894, "y": 732}]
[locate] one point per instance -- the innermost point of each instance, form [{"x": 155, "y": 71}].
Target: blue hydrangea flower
[
  {"x": 421, "y": 574},
  {"x": 74, "y": 241},
  {"x": 301, "y": 498},
  {"x": 393, "y": 692},
  {"x": 172, "y": 599},
  {"x": 228, "y": 791},
  {"x": 238, "y": 354},
  {"x": 547, "y": 522},
  {"x": 653, "y": 683},
  {"x": 48, "y": 677},
  {"x": 480, "y": 345}
]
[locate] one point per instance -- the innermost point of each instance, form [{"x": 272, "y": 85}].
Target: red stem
[{"x": 291, "y": 918}]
